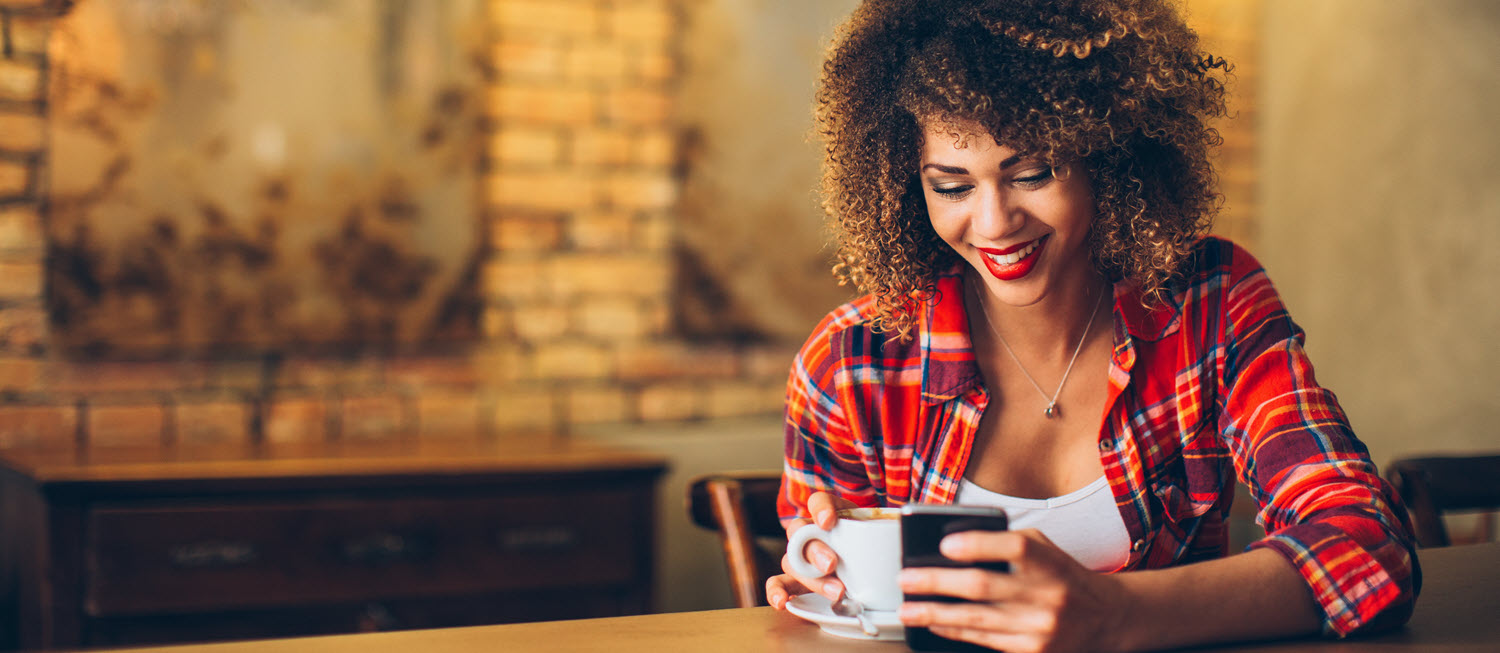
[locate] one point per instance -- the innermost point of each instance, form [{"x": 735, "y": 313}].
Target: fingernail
[
  {"x": 832, "y": 588},
  {"x": 950, "y": 545},
  {"x": 824, "y": 516},
  {"x": 908, "y": 613},
  {"x": 825, "y": 561},
  {"x": 908, "y": 577}
]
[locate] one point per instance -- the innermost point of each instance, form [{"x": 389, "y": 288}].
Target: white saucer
[{"x": 819, "y": 610}]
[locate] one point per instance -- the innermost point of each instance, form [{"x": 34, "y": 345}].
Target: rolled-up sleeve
[
  {"x": 821, "y": 454},
  {"x": 1322, "y": 501}
]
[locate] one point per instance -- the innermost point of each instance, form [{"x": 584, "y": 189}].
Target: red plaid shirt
[{"x": 1212, "y": 387}]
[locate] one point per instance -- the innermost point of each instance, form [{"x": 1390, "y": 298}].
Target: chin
[
  {"x": 1020, "y": 299},
  {"x": 1020, "y": 293}
]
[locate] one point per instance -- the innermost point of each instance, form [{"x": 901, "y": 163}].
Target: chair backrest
[
  {"x": 741, "y": 507},
  {"x": 1431, "y": 486}
]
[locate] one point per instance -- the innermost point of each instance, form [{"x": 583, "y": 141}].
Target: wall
[
  {"x": 580, "y": 188},
  {"x": 1230, "y": 29},
  {"x": 201, "y": 200},
  {"x": 750, "y": 204},
  {"x": 1381, "y": 221}
]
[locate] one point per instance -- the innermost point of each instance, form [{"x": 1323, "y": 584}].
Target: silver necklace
[{"x": 1051, "y": 410}]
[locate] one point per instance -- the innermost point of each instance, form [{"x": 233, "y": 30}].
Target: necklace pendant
[{"x": 1051, "y": 410}]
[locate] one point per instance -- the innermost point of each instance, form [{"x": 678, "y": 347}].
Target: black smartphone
[{"x": 923, "y": 526}]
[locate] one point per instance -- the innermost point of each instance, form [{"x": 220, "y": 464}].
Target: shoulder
[
  {"x": 1223, "y": 282},
  {"x": 1220, "y": 272},
  {"x": 1218, "y": 282},
  {"x": 857, "y": 314},
  {"x": 1219, "y": 261},
  {"x": 850, "y": 320},
  {"x": 846, "y": 341}
]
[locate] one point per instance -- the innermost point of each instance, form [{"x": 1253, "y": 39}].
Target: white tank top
[{"x": 1084, "y": 523}]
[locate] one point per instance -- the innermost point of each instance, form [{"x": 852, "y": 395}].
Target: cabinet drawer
[{"x": 197, "y": 557}]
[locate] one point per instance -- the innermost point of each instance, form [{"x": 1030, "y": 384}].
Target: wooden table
[{"x": 1459, "y": 611}]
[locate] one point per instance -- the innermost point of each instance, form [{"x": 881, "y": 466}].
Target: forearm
[{"x": 1255, "y": 595}]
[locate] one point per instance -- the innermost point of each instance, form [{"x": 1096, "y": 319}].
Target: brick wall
[
  {"x": 24, "y": 416},
  {"x": 580, "y": 187}
]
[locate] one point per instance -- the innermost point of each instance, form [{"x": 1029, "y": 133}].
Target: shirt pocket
[{"x": 1191, "y": 482}]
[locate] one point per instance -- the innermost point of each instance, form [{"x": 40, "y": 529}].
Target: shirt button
[
  {"x": 1107, "y": 444},
  {"x": 1136, "y": 546}
]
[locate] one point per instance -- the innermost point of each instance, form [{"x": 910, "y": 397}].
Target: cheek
[
  {"x": 1082, "y": 201},
  {"x": 1076, "y": 216},
  {"x": 947, "y": 222},
  {"x": 1084, "y": 219}
]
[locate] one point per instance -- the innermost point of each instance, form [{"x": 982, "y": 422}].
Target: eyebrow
[{"x": 956, "y": 170}]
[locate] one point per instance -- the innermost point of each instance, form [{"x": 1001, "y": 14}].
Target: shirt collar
[
  {"x": 1142, "y": 322},
  {"x": 949, "y": 367}
]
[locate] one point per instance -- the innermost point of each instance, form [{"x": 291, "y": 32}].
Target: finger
[
  {"x": 1028, "y": 545},
  {"x": 824, "y": 508},
  {"x": 781, "y": 588},
  {"x": 971, "y": 584},
  {"x": 833, "y": 589},
  {"x": 776, "y": 592},
  {"x": 827, "y": 585},
  {"x": 1010, "y": 642},
  {"x": 1014, "y": 618},
  {"x": 982, "y": 616},
  {"x": 819, "y": 554},
  {"x": 816, "y": 552},
  {"x": 822, "y": 556},
  {"x": 787, "y": 583}
]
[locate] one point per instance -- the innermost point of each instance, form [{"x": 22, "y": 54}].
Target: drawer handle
[
  {"x": 538, "y": 539},
  {"x": 385, "y": 548},
  {"x": 375, "y": 618},
  {"x": 199, "y": 555}
]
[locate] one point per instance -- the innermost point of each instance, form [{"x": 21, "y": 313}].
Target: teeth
[{"x": 1014, "y": 257}]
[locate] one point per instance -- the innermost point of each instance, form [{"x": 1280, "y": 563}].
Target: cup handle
[{"x": 796, "y": 549}]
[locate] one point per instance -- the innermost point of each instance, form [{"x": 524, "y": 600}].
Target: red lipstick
[{"x": 1017, "y": 270}]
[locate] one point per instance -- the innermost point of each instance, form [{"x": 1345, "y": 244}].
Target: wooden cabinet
[{"x": 109, "y": 548}]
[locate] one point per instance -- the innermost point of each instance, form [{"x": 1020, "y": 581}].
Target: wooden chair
[
  {"x": 1434, "y": 485},
  {"x": 741, "y": 507}
]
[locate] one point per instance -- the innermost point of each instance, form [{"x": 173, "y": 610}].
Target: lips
[{"x": 1013, "y": 262}]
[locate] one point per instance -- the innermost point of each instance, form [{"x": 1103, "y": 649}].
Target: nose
[{"x": 997, "y": 216}]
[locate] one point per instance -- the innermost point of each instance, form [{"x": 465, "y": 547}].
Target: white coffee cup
[{"x": 868, "y": 543}]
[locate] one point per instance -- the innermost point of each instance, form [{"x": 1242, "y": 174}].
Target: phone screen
[{"x": 922, "y": 528}]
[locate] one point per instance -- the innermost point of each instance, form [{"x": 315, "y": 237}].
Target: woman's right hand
[{"x": 824, "y": 508}]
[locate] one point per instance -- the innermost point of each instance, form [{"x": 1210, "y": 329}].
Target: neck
[{"x": 1051, "y": 329}]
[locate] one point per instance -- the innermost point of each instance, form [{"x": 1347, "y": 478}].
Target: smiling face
[{"x": 1024, "y": 230}]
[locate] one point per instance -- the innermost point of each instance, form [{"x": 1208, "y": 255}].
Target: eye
[
  {"x": 955, "y": 192},
  {"x": 1034, "y": 178}
]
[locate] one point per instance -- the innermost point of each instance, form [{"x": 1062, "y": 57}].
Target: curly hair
[{"x": 1120, "y": 86}]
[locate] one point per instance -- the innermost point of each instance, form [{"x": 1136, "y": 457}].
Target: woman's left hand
[{"x": 1047, "y": 603}]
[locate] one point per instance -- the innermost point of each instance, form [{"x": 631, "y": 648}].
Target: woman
[{"x": 1021, "y": 187}]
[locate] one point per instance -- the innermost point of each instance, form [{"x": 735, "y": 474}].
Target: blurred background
[{"x": 291, "y": 221}]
